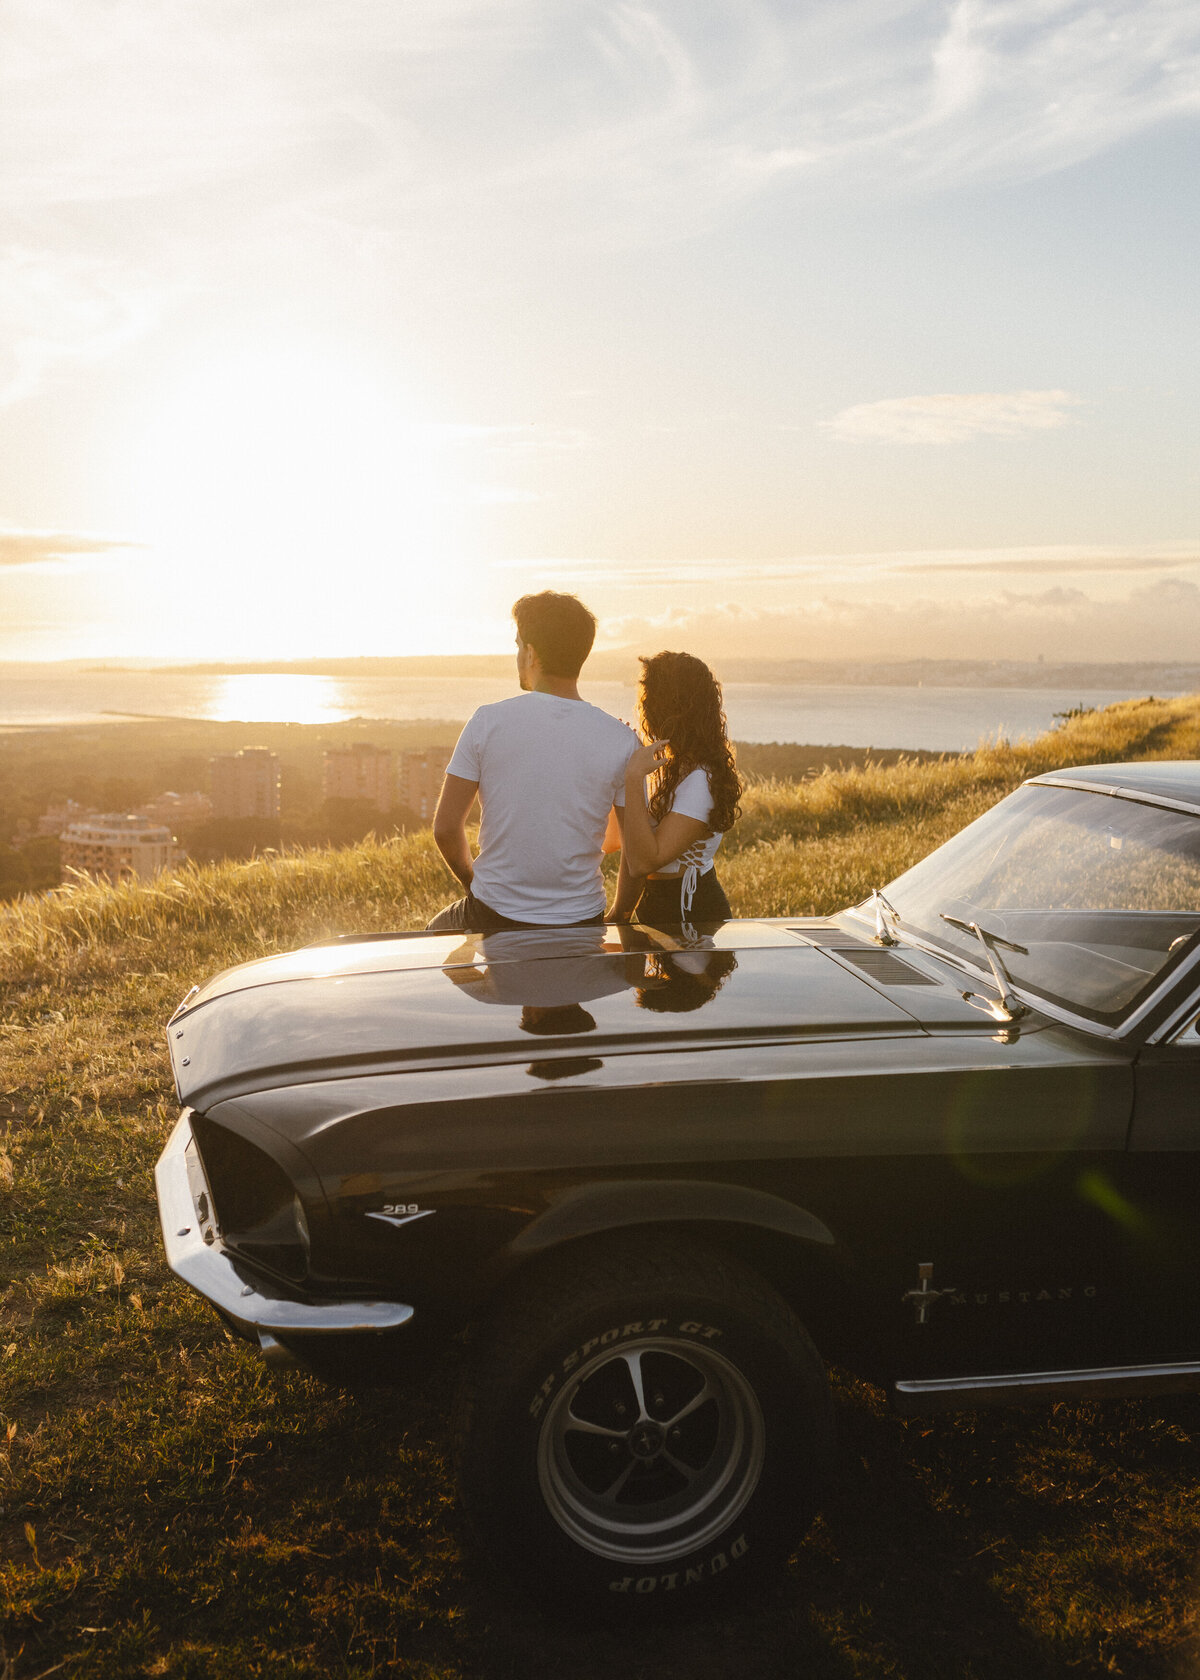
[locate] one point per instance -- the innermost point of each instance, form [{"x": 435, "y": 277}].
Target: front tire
[{"x": 645, "y": 1423}]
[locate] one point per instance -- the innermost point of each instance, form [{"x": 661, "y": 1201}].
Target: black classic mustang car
[{"x": 946, "y": 1140}]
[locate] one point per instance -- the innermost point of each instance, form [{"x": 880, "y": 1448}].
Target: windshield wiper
[
  {"x": 1010, "y": 1007},
  {"x": 881, "y": 905}
]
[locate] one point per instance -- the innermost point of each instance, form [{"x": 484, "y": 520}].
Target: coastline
[{"x": 621, "y": 665}]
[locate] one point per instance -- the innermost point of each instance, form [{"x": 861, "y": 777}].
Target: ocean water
[{"x": 931, "y": 719}]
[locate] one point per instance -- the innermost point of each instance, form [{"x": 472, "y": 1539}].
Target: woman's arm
[{"x": 648, "y": 849}]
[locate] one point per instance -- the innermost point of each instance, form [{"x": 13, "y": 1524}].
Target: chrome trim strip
[
  {"x": 1175, "y": 982},
  {"x": 182, "y": 1004},
  {"x": 1183, "y": 1021},
  {"x": 1134, "y": 794},
  {"x": 961, "y": 1393},
  {"x": 207, "y": 1267}
]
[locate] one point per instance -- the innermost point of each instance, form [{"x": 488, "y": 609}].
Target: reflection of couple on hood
[{"x": 552, "y": 972}]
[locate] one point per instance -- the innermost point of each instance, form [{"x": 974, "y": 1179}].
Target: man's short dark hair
[
  {"x": 559, "y": 628},
  {"x": 554, "y": 1020}
]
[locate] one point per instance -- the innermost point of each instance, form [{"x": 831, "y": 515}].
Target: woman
[{"x": 672, "y": 837}]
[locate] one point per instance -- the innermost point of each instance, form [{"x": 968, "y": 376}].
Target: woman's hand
[{"x": 643, "y": 761}]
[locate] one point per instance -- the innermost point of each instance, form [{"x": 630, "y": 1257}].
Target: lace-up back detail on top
[{"x": 693, "y": 798}]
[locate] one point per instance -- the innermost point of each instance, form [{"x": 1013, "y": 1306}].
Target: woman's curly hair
[
  {"x": 679, "y": 701},
  {"x": 677, "y": 991}
]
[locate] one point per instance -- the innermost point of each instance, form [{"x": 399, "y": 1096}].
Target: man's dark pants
[{"x": 472, "y": 915}]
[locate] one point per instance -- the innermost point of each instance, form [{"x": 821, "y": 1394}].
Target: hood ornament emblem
[
  {"x": 883, "y": 936},
  {"x": 400, "y": 1213},
  {"x": 924, "y": 1297}
]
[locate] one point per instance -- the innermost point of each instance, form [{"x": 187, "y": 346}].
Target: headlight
[{"x": 260, "y": 1216}]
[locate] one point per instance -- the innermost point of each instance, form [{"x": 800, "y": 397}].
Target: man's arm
[
  {"x": 450, "y": 826},
  {"x": 629, "y": 886}
]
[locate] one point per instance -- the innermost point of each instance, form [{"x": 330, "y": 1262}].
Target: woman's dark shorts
[{"x": 661, "y": 905}]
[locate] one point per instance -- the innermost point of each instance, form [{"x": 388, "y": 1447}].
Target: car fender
[{"x": 593, "y": 1209}]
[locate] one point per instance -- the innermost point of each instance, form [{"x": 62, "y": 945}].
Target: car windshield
[{"x": 1102, "y": 892}]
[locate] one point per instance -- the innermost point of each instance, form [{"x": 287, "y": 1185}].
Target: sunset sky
[{"x": 826, "y": 329}]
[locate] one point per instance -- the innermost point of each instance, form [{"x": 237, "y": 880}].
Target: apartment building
[
  {"x": 361, "y": 771},
  {"x": 173, "y": 810},
  {"x": 419, "y": 779},
  {"x": 115, "y": 847},
  {"x": 245, "y": 784}
]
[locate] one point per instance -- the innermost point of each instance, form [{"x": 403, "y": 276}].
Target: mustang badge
[{"x": 924, "y": 1297}]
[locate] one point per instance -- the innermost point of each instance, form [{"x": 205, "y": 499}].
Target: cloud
[
  {"x": 513, "y": 438},
  {"x": 637, "y": 118},
  {"x": 1159, "y": 621},
  {"x": 513, "y": 445},
  {"x": 1049, "y": 565},
  {"x": 502, "y": 495},
  {"x": 61, "y": 311},
  {"x": 416, "y": 136},
  {"x": 1027, "y": 86},
  {"x": 166, "y": 100},
  {"x": 579, "y": 574},
  {"x": 953, "y": 417},
  {"x": 35, "y": 548},
  {"x": 184, "y": 135},
  {"x": 694, "y": 110},
  {"x": 1044, "y": 560}
]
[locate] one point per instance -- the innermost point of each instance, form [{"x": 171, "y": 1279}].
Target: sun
[{"x": 298, "y": 489}]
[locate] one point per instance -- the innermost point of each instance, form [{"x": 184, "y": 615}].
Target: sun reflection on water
[{"x": 265, "y": 697}]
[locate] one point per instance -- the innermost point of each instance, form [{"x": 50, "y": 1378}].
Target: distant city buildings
[
  {"x": 57, "y": 817},
  {"x": 419, "y": 779},
  {"x": 168, "y": 810},
  {"x": 176, "y": 810},
  {"x": 116, "y": 846},
  {"x": 361, "y": 771},
  {"x": 113, "y": 847},
  {"x": 245, "y": 784},
  {"x": 386, "y": 779}
]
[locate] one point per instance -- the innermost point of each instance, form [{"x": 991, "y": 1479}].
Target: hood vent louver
[{"x": 885, "y": 967}]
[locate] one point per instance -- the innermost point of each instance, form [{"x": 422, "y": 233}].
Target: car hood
[{"x": 384, "y": 1004}]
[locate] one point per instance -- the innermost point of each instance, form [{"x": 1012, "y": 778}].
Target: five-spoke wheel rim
[{"x": 650, "y": 1450}]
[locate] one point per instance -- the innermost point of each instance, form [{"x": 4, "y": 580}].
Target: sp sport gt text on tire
[{"x": 646, "y": 1422}]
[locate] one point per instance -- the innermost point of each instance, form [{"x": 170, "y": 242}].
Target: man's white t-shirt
[{"x": 549, "y": 770}]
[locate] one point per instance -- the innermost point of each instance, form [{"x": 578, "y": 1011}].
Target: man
[{"x": 548, "y": 767}]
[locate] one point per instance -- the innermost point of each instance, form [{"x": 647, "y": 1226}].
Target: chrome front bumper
[{"x": 257, "y": 1309}]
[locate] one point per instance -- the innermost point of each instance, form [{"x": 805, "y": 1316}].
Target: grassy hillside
[{"x": 167, "y": 1507}]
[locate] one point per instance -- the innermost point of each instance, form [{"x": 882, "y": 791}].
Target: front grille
[{"x": 254, "y": 1200}]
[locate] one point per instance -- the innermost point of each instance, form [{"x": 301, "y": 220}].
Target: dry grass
[{"x": 167, "y": 1507}]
